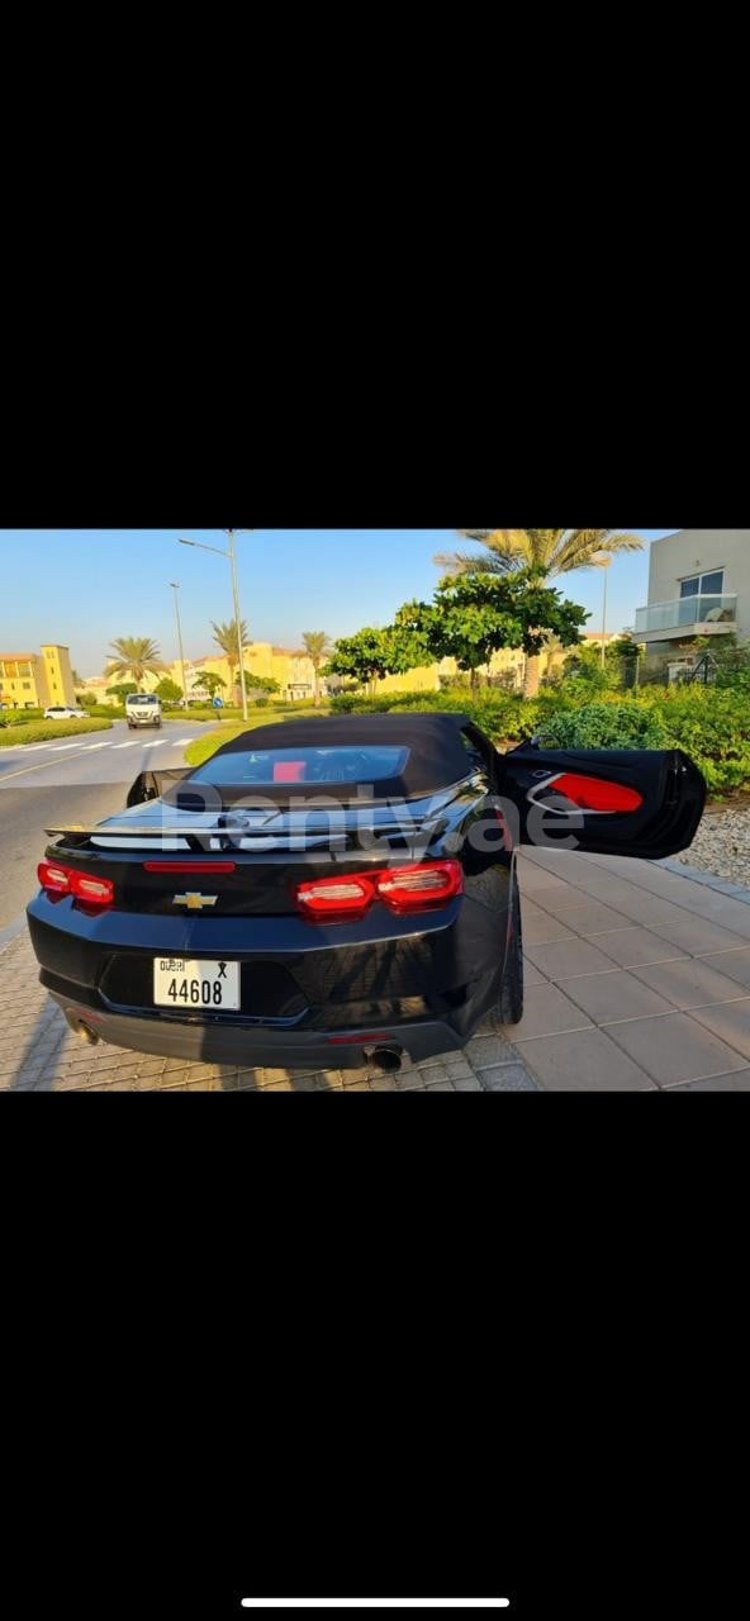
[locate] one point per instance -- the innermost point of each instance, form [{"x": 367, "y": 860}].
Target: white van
[{"x": 142, "y": 709}]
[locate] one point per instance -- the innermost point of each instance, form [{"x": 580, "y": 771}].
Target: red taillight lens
[
  {"x": 594, "y": 793},
  {"x": 54, "y": 879},
  {"x": 98, "y": 891},
  {"x": 404, "y": 889},
  {"x": 58, "y": 880},
  {"x": 336, "y": 897},
  {"x": 411, "y": 889}
]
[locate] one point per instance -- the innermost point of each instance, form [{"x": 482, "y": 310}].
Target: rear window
[{"x": 270, "y": 767}]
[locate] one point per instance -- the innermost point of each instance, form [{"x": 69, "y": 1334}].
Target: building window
[
  {"x": 704, "y": 585},
  {"x": 27, "y": 686}
]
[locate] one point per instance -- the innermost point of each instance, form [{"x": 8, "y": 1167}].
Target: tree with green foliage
[
  {"x": 137, "y": 656},
  {"x": 261, "y": 683},
  {"x": 209, "y": 683},
  {"x": 122, "y": 690},
  {"x": 550, "y": 551},
  {"x": 317, "y": 646},
  {"x": 473, "y": 615},
  {"x": 373, "y": 654},
  {"x": 168, "y": 691}
]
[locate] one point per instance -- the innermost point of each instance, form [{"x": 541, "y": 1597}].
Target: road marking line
[
  {"x": 26, "y": 771},
  {"x": 126, "y": 745},
  {"x": 60, "y": 748},
  {"x": 158, "y": 745}
]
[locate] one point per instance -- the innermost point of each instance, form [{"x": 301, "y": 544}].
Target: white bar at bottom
[{"x": 375, "y": 1603}]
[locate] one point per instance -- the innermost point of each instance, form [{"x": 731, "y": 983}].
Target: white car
[
  {"x": 63, "y": 712},
  {"x": 142, "y": 709}
]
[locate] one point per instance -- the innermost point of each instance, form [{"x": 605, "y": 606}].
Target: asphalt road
[{"x": 73, "y": 779}]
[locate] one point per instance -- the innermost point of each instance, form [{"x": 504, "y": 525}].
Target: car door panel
[{"x": 634, "y": 802}]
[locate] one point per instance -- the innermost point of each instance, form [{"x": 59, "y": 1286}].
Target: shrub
[
  {"x": 604, "y": 726},
  {"x": 349, "y": 703},
  {"x": 19, "y": 717},
  {"x": 712, "y": 726}
]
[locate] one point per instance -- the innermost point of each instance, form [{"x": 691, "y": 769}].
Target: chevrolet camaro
[{"x": 331, "y": 889}]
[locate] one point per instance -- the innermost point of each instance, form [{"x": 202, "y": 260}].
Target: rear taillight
[
  {"x": 412, "y": 888},
  {"x": 333, "y": 898},
  {"x": 404, "y": 889},
  {"x": 55, "y": 880},
  {"x": 58, "y": 880}
]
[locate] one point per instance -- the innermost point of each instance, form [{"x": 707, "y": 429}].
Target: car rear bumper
[
  {"x": 251, "y": 1047},
  {"x": 303, "y": 999}
]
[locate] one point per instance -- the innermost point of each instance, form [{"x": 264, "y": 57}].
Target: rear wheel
[{"x": 511, "y": 994}]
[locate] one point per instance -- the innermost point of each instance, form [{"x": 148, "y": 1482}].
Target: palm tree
[
  {"x": 318, "y": 645},
  {"x": 225, "y": 637},
  {"x": 136, "y": 656},
  {"x": 554, "y": 551}
]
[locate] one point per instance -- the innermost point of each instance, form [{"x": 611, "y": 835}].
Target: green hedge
[
  {"x": 710, "y": 724},
  {"x": 45, "y": 730},
  {"x": 19, "y": 717}
]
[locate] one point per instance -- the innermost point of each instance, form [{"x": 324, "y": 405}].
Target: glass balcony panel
[{"x": 684, "y": 612}]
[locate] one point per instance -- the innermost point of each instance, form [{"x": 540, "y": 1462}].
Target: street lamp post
[
  {"x": 603, "y": 560},
  {"x": 175, "y": 584},
  {"x": 237, "y": 620},
  {"x": 230, "y": 553}
]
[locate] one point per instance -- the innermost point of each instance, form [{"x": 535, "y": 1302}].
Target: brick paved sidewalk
[{"x": 638, "y": 978}]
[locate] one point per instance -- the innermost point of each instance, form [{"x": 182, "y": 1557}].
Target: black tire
[{"x": 511, "y": 994}]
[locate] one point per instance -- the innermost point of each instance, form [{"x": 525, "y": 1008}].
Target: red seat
[{"x": 289, "y": 771}]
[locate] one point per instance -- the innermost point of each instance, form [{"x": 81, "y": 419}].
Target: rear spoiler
[{"x": 151, "y": 784}]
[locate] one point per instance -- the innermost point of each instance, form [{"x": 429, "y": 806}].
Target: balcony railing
[{"x": 684, "y": 613}]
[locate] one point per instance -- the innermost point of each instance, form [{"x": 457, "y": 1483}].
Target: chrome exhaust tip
[
  {"x": 384, "y": 1058},
  {"x": 85, "y": 1034}
]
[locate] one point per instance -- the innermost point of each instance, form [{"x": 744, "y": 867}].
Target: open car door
[{"x": 628, "y": 802}]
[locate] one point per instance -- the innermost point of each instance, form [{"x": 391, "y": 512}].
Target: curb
[{"x": 724, "y": 886}]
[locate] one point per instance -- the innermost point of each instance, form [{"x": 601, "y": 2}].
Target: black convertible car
[{"x": 330, "y": 888}]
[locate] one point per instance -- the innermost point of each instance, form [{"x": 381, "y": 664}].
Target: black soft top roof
[{"x": 437, "y": 752}]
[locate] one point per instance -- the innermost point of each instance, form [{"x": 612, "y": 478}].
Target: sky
[{"x": 83, "y": 588}]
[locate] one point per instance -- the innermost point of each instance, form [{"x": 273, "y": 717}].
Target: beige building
[
  {"x": 37, "y": 680},
  {"x": 292, "y": 670},
  {"x": 699, "y": 585}
]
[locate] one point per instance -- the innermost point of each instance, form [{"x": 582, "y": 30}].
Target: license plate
[{"x": 184, "y": 982}]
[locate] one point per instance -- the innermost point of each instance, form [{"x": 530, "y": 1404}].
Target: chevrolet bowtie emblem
[{"x": 194, "y": 901}]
